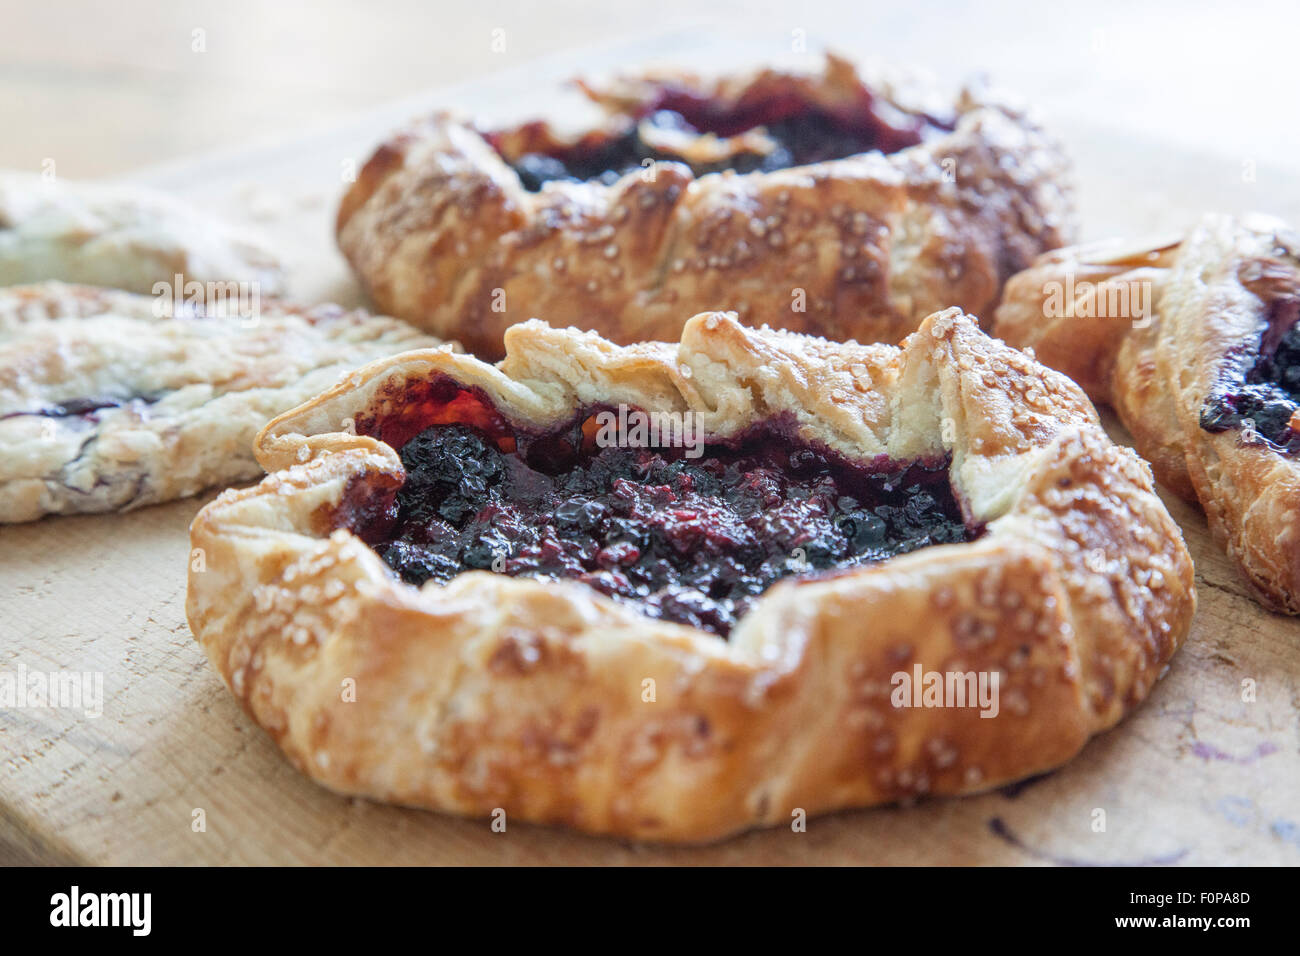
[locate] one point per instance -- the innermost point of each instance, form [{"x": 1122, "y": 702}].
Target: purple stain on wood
[
  {"x": 1001, "y": 830},
  {"x": 1210, "y": 752}
]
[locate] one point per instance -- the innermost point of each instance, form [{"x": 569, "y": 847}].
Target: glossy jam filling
[
  {"x": 800, "y": 134},
  {"x": 691, "y": 538},
  {"x": 1259, "y": 388}
]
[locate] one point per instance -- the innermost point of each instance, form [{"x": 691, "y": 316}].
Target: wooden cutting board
[{"x": 1197, "y": 775}]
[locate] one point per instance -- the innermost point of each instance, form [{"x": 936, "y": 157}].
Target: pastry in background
[
  {"x": 109, "y": 402},
  {"x": 1196, "y": 345},
  {"x": 122, "y": 237},
  {"x": 844, "y": 205}
]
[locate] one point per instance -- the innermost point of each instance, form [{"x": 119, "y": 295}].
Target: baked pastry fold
[
  {"x": 842, "y": 206},
  {"x": 554, "y": 703},
  {"x": 1191, "y": 340}
]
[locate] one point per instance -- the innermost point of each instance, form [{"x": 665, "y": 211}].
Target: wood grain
[{"x": 1197, "y": 776}]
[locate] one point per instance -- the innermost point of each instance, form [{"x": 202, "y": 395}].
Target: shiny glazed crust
[
  {"x": 441, "y": 231},
  {"x": 1158, "y": 370},
  {"x": 202, "y": 387},
  {"x": 494, "y": 692}
]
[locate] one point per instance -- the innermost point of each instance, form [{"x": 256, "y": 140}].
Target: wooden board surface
[{"x": 1197, "y": 775}]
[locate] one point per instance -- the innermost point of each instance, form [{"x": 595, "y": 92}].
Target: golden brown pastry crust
[
  {"x": 498, "y": 692},
  {"x": 441, "y": 231},
  {"x": 1205, "y": 296}
]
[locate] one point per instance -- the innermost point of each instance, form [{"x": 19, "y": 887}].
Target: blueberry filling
[
  {"x": 78, "y": 407},
  {"x": 799, "y": 134},
  {"x": 1259, "y": 385},
  {"x": 689, "y": 540}
]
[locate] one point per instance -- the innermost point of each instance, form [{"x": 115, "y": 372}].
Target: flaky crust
[
  {"x": 494, "y": 692},
  {"x": 187, "y": 392},
  {"x": 121, "y": 237},
  {"x": 441, "y": 231},
  {"x": 1157, "y": 371}
]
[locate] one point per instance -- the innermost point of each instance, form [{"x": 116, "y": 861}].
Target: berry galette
[
  {"x": 111, "y": 400},
  {"x": 672, "y": 591},
  {"x": 829, "y": 204},
  {"x": 1196, "y": 345}
]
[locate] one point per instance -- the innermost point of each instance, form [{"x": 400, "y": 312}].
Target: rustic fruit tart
[{"x": 481, "y": 588}]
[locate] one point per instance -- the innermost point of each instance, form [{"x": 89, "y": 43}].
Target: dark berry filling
[
  {"x": 79, "y": 407},
  {"x": 800, "y": 134},
  {"x": 693, "y": 540},
  {"x": 1259, "y": 386}
]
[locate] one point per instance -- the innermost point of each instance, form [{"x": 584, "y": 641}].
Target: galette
[
  {"x": 829, "y": 203},
  {"x": 671, "y": 591},
  {"x": 109, "y": 401},
  {"x": 122, "y": 237},
  {"x": 1196, "y": 345}
]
